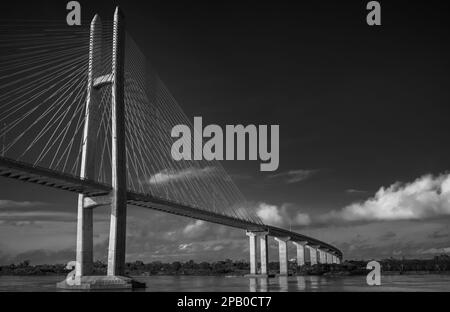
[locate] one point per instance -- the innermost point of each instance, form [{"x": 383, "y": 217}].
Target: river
[{"x": 398, "y": 283}]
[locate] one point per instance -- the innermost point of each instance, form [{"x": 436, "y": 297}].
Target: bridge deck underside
[{"x": 46, "y": 177}]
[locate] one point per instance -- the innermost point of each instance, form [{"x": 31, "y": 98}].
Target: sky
[{"x": 363, "y": 114}]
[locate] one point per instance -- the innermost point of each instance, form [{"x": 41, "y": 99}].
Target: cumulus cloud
[
  {"x": 294, "y": 176},
  {"x": 195, "y": 229},
  {"x": 285, "y": 215},
  {"x": 426, "y": 197},
  {"x": 269, "y": 214},
  {"x": 167, "y": 176},
  {"x": 184, "y": 246}
]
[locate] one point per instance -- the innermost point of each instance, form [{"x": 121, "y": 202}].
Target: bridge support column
[
  {"x": 329, "y": 258},
  {"x": 85, "y": 244},
  {"x": 300, "y": 253},
  {"x": 117, "y": 234},
  {"x": 85, "y": 240},
  {"x": 264, "y": 254},
  {"x": 252, "y": 250},
  {"x": 322, "y": 257},
  {"x": 283, "y": 254},
  {"x": 312, "y": 254}
]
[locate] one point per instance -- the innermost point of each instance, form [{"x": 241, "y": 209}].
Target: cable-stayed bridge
[{"x": 81, "y": 110}]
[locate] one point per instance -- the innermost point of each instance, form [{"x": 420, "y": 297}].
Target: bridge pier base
[{"x": 100, "y": 283}]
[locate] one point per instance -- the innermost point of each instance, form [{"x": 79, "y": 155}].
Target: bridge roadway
[{"x": 46, "y": 177}]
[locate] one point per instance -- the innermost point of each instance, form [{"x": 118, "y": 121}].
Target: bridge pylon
[{"x": 117, "y": 199}]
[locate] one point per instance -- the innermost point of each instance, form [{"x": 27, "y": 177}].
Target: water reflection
[
  {"x": 264, "y": 284},
  {"x": 253, "y": 284},
  {"x": 242, "y": 284},
  {"x": 314, "y": 282},
  {"x": 301, "y": 283},
  {"x": 283, "y": 283}
]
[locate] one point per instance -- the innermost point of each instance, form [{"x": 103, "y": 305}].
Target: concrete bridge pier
[
  {"x": 264, "y": 254},
  {"x": 85, "y": 240},
  {"x": 329, "y": 258},
  {"x": 252, "y": 251},
  {"x": 300, "y": 253},
  {"x": 313, "y": 254},
  {"x": 283, "y": 254},
  {"x": 321, "y": 256}
]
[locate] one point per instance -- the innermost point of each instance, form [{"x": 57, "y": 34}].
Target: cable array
[{"x": 43, "y": 89}]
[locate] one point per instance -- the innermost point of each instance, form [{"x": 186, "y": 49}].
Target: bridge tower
[
  {"x": 117, "y": 234},
  {"x": 117, "y": 199}
]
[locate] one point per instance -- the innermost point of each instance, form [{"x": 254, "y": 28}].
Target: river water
[{"x": 398, "y": 283}]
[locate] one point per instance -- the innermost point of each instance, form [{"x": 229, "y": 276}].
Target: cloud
[
  {"x": 167, "y": 176},
  {"x": 184, "y": 246},
  {"x": 6, "y": 204},
  {"x": 353, "y": 191},
  {"x": 286, "y": 215},
  {"x": 33, "y": 216},
  {"x": 195, "y": 229},
  {"x": 218, "y": 248},
  {"x": 40, "y": 257},
  {"x": 294, "y": 176},
  {"x": 436, "y": 251},
  {"x": 269, "y": 214},
  {"x": 439, "y": 234},
  {"x": 302, "y": 219},
  {"x": 426, "y": 197}
]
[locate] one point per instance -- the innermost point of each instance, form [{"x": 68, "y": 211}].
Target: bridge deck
[{"x": 27, "y": 173}]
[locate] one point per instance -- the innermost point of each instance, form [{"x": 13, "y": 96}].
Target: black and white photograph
[{"x": 246, "y": 148}]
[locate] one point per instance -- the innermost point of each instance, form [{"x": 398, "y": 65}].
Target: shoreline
[{"x": 327, "y": 274}]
